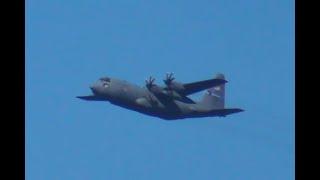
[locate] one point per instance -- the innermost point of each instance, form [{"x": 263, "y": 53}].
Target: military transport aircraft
[{"x": 169, "y": 102}]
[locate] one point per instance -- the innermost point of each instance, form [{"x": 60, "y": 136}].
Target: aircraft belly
[{"x": 147, "y": 103}]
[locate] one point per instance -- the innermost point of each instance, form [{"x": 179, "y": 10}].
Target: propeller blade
[{"x": 169, "y": 78}]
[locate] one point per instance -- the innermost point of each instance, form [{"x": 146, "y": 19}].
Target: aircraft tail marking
[{"x": 215, "y": 97}]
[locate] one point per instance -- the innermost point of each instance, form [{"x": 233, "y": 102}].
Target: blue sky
[{"x": 70, "y": 44}]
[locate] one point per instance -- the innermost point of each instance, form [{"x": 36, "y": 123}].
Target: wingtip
[
  {"x": 81, "y": 97},
  {"x": 237, "y": 110},
  {"x": 222, "y": 81},
  {"x": 78, "y": 97}
]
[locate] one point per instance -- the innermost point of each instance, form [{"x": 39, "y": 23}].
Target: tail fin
[{"x": 214, "y": 97}]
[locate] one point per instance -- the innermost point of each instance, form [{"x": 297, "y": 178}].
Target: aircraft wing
[
  {"x": 190, "y": 88},
  {"x": 91, "y": 98}
]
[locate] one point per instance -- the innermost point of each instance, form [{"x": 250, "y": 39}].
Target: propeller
[
  {"x": 150, "y": 82},
  {"x": 169, "y": 79}
]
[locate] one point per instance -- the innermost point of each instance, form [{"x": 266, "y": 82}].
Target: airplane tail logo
[{"x": 215, "y": 97}]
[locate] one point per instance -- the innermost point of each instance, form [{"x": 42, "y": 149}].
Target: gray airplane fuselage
[{"x": 141, "y": 99}]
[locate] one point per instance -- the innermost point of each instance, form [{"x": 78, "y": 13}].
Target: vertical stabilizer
[{"x": 214, "y": 97}]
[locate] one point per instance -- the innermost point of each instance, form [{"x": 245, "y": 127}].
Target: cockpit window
[
  {"x": 106, "y": 84},
  {"x": 105, "y": 81}
]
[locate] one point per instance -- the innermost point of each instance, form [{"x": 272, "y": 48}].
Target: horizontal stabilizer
[
  {"x": 194, "y": 87},
  {"x": 224, "y": 112},
  {"x": 91, "y": 98}
]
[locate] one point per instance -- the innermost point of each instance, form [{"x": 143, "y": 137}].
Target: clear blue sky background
[{"x": 70, "y": 44}]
